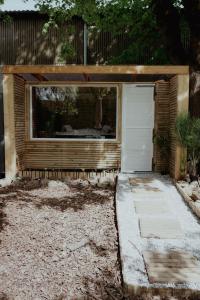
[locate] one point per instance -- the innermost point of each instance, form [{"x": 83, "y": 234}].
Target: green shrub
[
  {"x": 163, "y": 142},
  {"x": 188, "y": 134}
]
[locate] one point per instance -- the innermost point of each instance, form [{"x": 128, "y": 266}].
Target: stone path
[
  {"x": 159, "y": 236},
  {"x": 160, "y": 227},
  {"x": 175, "y": 267},
  {"x": 153, "y": 207}
]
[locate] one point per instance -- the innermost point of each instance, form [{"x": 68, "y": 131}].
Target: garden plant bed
[
  {"x": 58, "y": 241},
  {"x": 191, "y": 194}
]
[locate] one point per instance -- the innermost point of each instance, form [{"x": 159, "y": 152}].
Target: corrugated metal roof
[{"x": 18, "y": 6}]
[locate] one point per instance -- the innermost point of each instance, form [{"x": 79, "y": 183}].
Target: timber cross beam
[{"x": 80, "y": 69}]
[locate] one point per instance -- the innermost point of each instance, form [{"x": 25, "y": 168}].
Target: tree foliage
[
  {"x": 153, "y": 26},
  {"x": 5, "y": 17}
]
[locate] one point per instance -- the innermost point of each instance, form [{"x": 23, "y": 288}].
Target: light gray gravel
[{"x": 58, "y": 247}]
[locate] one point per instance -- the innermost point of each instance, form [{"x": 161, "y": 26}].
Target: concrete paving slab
[
  {"x": 178, "y": 267},
  {"x": 152, "y": 207},
  {"x": 147, "y": 190},
  {"x": 169, "y": 256},
  {"x": 140, "y": 180},
  {"x": 160, "y": 227},
  {"x": 149, "y": 196}
]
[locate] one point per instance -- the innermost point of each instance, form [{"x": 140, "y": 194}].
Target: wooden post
[
  {"x": 2, "y": 152},
  {"x": 9, "y": 127},
  {"x": 182, "y": 106}
]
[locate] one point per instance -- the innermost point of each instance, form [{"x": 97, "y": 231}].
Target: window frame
[{"x": 116, "y": 139}]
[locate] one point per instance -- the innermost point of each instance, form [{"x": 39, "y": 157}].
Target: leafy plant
[
  {"x": 194, "y": 144},
  {"x": 188, "y": 133},
  {"x": 183, "y": 127},
  {"x": 163, "y": 142}
]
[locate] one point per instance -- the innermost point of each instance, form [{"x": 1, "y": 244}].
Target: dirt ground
[{"x": 58, "y": 241}]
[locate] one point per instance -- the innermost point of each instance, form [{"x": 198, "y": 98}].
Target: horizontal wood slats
[
  {"x": 68, "y": 154},
  {"x": 38, "y": 154},
  {"x": 173, "y": 114},
  {"x": 161, "y": 122},
  {"x": 19, "y": 108},
  {"x": 74, "y": 155},
  {"x": 63, "y": 174}
]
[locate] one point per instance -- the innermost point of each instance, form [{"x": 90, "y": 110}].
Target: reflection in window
[{"x": 74, "y": 112}]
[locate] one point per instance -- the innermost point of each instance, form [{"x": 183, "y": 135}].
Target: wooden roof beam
[
  {"x": 80, "y": 69},
  {"x": 20, "y": 76},
  {"x": 86, "y": 77},
  {"x": 39, "y": 77}
]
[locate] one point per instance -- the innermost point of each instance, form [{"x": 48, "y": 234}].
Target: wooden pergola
[
  {"x": 75, "y": 69},
  {"x": 39, "y": 71}
]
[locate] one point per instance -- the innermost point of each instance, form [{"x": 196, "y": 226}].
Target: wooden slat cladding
[
  {"x": 83, "y": 154},
  {"x": 72, "y": 155},
  {"x": 19, "y": 108},
  {"x": 64, "y": 174},
  {"x": 161, "y": 121},
  {"x": 22, "y": 41},
  {"x": 173, "y": 114},
  {"x": 68, "y": 154}
]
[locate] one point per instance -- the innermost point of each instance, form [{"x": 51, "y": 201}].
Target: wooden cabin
[
  {"x": 60, "y": 116},
  {"x": 76, "y": 117}
]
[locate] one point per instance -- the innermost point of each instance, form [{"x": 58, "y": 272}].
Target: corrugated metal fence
[{"x": 22, "y": 42}]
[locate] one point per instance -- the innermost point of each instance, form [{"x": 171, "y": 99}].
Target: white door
[{"x": 137, "y": 127}]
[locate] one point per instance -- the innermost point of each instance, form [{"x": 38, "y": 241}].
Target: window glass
[{"x": 74, "y": 112}]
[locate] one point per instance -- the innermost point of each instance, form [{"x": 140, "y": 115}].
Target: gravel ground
[{"x": 58, "y": 241}]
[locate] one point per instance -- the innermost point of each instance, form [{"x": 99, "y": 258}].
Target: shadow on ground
[
  {"x": 81, "y": 195},
  {"x": 3, "y": 220},
  {"x": 3, "y": 296}
]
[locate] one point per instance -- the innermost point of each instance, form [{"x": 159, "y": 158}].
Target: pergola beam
[
  {"x": 81, "y": 69},
  {"x": 39, "y": 77}
]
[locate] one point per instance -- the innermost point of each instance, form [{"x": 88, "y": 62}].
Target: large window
[{"x": 74, "y": 112}]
